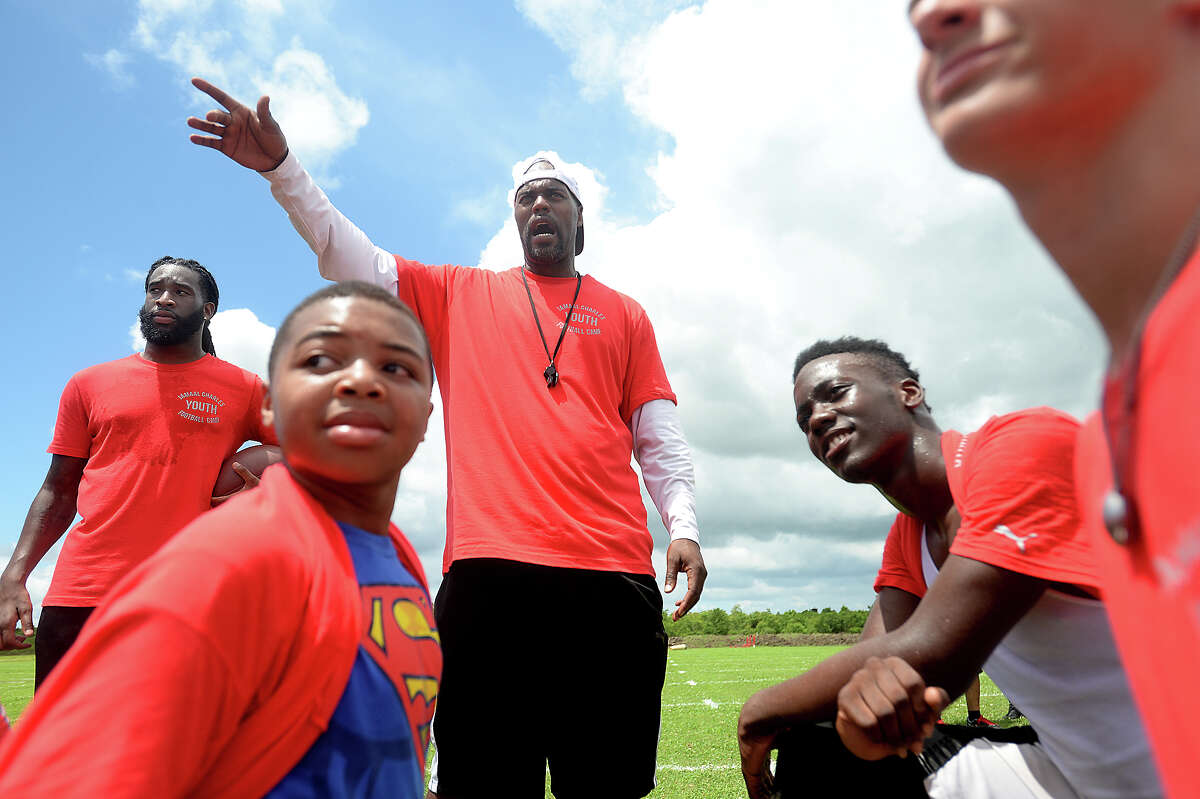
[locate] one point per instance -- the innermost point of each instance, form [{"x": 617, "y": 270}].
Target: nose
[
  {"x": 540, "y": 203},
  {"x": 821, "y": 419},
  {"x": 359, "y": 379},
  {"x": 163, "y": 299},
  {"x": 937, "y": 21}
]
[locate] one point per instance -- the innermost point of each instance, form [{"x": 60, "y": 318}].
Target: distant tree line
[{"x": 737, "y": 622}]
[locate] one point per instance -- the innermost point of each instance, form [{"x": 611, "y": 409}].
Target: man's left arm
[{"x": 666, "y": 463}]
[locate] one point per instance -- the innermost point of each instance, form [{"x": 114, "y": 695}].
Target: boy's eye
[
  {"x": 397, "y": 368},
  {"x": 318, "y": 361}
]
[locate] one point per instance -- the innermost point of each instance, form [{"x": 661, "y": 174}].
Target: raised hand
[
  {"x": 886, "y": 709},
  {"x": 253, "y": 139}
]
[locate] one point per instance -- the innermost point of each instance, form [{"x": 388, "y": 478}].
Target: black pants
[
  {"x": 57, "y": 629},
  {"x": 813, "y": 762},
  {"x": 548, "y": 665}
]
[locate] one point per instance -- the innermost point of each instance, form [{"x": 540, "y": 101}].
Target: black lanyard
[{"x": 551, "y": 373}]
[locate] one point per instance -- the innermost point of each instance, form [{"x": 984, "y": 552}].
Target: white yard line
[{"x": 706, "y": 767}]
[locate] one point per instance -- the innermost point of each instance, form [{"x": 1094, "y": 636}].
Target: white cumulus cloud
[{"x": 236, "y": 47}]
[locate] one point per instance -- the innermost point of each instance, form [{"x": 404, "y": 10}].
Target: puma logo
[{"x": 1020, "y": 539}]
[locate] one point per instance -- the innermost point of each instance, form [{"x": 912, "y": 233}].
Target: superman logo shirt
[{"x": 377, "y": 738}]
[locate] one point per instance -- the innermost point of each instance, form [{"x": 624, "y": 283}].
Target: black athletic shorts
[
  {"x": 57, "y": 629},
  {"x": 547, "y": 665},
  {"x": 813, "y": 762}
]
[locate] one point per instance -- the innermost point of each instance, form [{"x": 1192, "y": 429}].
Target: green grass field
[
  {"x": 705, "y": 688},
  {"x": 16, "y": 682}
]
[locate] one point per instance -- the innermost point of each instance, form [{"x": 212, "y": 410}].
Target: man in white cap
[{"x": 550, "y": 381}]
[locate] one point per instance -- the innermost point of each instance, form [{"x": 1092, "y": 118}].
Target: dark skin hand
[
  {"x": 50, "y": 514},
  {"x": 684, "y": 555},
  {"x": 968, "y": 610},
  {"x": 252, "y": 138},
  {"x": 249, "y": 481},
  {"x": 883, "y": 685},
  {"x": 886, "y": 709}
]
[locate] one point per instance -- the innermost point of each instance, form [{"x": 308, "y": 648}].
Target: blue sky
[{"x": 760, "y": 177}]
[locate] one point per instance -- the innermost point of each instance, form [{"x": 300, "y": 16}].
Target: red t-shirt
[
  {"x": 1012, "y": 484},
  {"x": 154, "y": 436},
  {"x": 1152, "y": 585},
  {"x": 534, "y": 474}
]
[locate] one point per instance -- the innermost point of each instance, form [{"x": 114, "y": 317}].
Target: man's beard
[
  {"x": 183, "y": 329},
  {"x": 548, "y": 255}
]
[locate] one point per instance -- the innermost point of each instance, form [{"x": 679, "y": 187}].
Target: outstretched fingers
[
  {"x": 217, "y": 94},
  {"x": 207, "y": 127}
]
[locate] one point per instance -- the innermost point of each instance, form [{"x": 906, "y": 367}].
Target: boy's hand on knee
[{"x": 886, "y": 709}]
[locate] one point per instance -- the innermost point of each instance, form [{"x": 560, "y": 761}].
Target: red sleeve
[
  {"x": 902, "y": 558},
  {"x": 425, "y": 289},
  {"x": 167, "y": 668},
  {"x": 71, "y": 434},
  {"x": 645, "y": 378},
  {"x": 142, "y": 702},
  {"x": 1013, "y": 485}
]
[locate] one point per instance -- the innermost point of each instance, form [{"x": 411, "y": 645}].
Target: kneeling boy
[
  {"x": 282, "y": 644},
  {"x": 992, "y": 516}
]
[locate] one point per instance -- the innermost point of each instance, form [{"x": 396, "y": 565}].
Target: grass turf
[
  {"x": 16, "y": 682},
  {"x": 704, "y": 690}
]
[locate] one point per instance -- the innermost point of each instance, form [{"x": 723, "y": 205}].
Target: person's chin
[
  {"x": 850, "y": 470},
  {"x": 982, "y": 132},
  {"x": 546, "y": 255}
]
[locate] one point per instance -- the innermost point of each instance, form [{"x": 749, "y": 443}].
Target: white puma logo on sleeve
[{"x": 1020, "y": 539}]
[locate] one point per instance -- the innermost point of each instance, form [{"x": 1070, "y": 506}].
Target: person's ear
[
  {"x": 210, "y": 310},
  {"x": 267, "y": 411},
  {"x": 428, "y": 414},
  {"x": 912, "y": 393}
]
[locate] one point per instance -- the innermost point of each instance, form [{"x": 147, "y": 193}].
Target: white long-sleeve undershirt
[{"x": 346, "y": 253}]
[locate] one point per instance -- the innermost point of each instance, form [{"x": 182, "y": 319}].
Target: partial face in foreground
[
  {"x": 858, "y": 420},
  {"x": 1003, "y": 80},
  {"x": 349, "y": 394},
  {"x": 547, "y": 217}
]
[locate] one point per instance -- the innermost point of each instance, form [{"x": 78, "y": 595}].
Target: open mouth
[
  {"x": 542, "y": 228},
  {"x": 836, "y": 443}
]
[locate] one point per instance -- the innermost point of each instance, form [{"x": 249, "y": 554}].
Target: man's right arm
[
  {"x": 252, "y": 138},
  {"x": 49, "y": 515},
  {"x": 343, "y": 251}
]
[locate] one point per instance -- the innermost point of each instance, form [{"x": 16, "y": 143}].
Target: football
[{"x": 256, "y": 459}]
